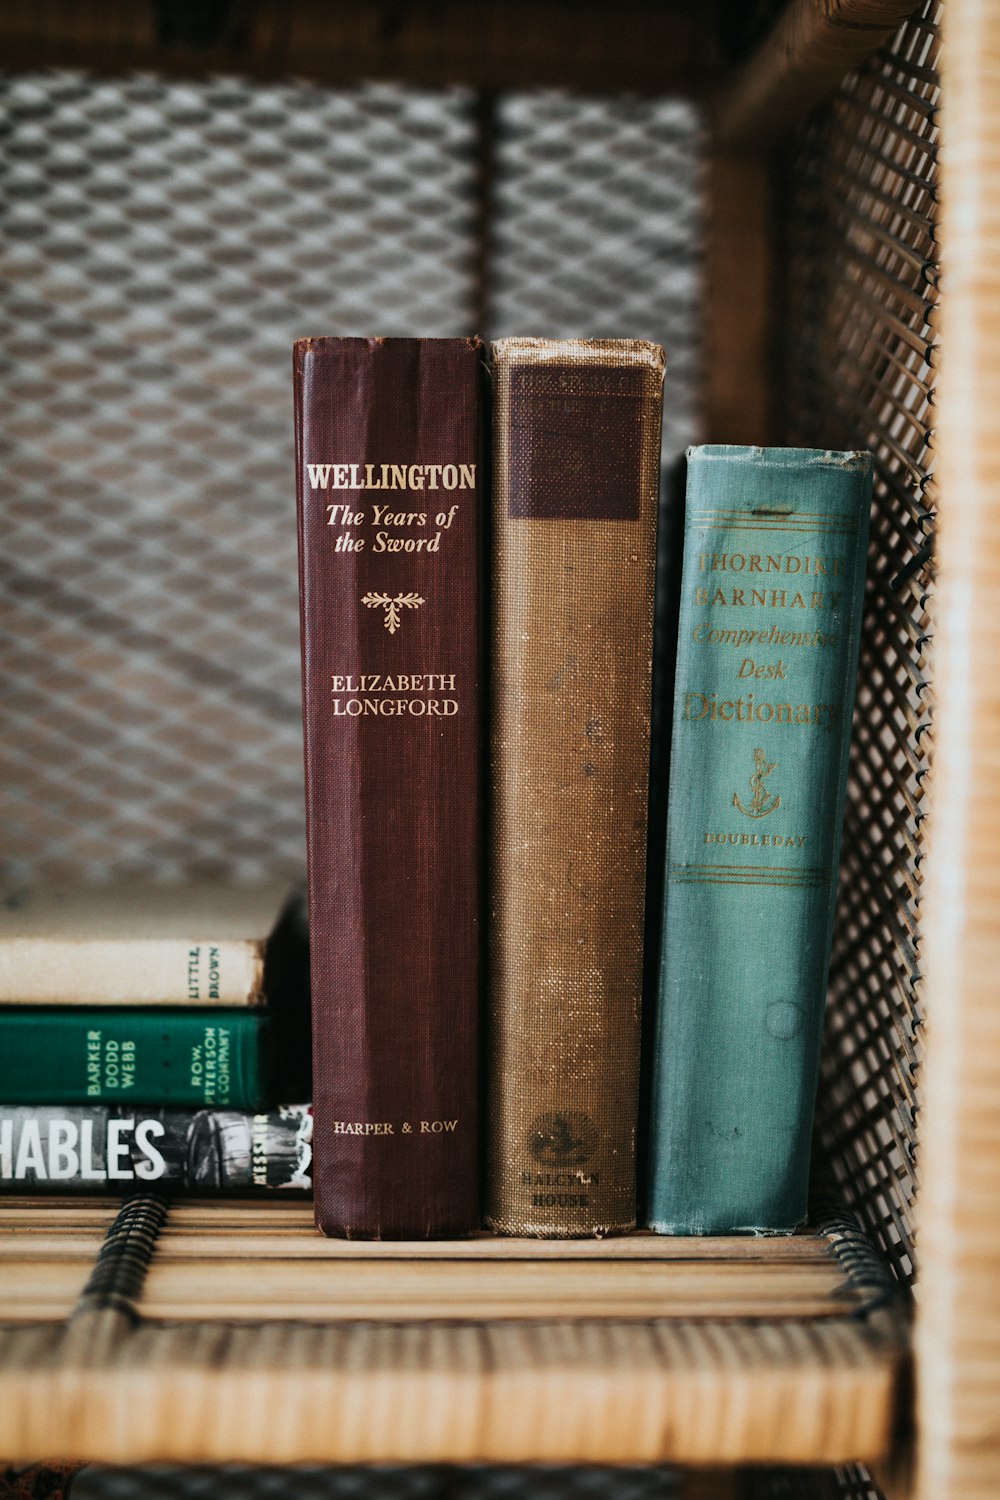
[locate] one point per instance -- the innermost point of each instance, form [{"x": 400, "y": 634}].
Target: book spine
[
  {"x": 69, "y": 1056},
  {"x": 136, "y": 971},
  {"x": 389, "y": 480},
  {"x": 87, "y": 1148},
  {"x": 771, "y": 596},
  {"x": 576, "y": 454}
]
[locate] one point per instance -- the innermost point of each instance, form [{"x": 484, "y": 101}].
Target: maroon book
[{"x": 390, "y": 504}]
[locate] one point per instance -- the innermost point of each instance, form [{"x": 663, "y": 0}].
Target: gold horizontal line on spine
[
  {"x": 817, "y": 528},
  {"x": 584, "y": 395},
  {"x": 796, "y": 518},
  {"x": 793, "y": 515},
  {"x": 768, "y": 869},
  {"x": 744, "y": 879},
  {"x": 736, "y": 876},
  {"x": 776, "y": 882},
  {"x": 750, "y": 874},
  {"x": 743, "y": 518},
  {"x": 771, "y": 526}
]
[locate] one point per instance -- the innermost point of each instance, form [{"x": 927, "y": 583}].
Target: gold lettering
[{"x": 749, "y": 710}]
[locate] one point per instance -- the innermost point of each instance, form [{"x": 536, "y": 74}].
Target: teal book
[
  {"x": 775, "y": 542},
  {"x": 64, "y": 1055}
]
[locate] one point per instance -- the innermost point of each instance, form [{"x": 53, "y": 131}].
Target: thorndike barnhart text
[{"x": 765, "y": 654}]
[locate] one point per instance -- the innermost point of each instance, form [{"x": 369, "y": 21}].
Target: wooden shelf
[{"x": 219, "y": 1331}]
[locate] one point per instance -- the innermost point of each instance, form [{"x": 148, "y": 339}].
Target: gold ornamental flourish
[{"x": 392, "y": 607}]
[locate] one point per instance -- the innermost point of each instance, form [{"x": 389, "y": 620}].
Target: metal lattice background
[
  {"x": 385, "y": 1482},
  {"x": 161, "y": 245},
  {"x": 848, "y": 1483},
  {"x": 596, "y": 220},
  {"x": 861, "y": 272}
]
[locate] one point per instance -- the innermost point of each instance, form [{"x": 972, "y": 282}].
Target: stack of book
[
  {"x": 145, "y": 1035},
  {"x": 477, "y": 755},
  {"x": 453, "y": 790}
]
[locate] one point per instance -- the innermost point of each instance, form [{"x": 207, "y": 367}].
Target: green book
[
  {"x": 773, "y": 576},
  {"x": 63, "y": 1055}
]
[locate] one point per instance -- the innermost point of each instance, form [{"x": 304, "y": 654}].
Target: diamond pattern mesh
[
  {"x": 861, "y": 279},
  {"x": 860, "y": 287},
  {"x": 380, "y": 1482},
  {"x": 161, "y": 244},
  {"x": 596, "y": 230},
  {"x": 849, "y": 1483}
]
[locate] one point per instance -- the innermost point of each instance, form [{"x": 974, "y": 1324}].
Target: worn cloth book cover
[
  {"x": 389, "y": 478},
  {"x": 669, "y": 555},
  {"x": 576, "y": 456},
  {"x": 87, "y": 1148},
  {"x": 55, "y": 1055},
  {"x": 771, "y": 598},
  {"x": 136, "y": 944}
]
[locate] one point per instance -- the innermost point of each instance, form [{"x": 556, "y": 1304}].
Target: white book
[{"x": 137, "y": 945}]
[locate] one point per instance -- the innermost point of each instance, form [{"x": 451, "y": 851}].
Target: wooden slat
[
  {"x": 286, "y": 1229},
  {"x": 56, "y": 1215},
  {"x": 287, "y": 1243},
  {"x": 265, "y": 1214},
  {"x": 258, "y": 1340},
  {"x": 644, "y": 44},
  {"x": 45, "y": 1244},
  {"x": 46, "y": 1254},
  {"x": 196, "y": 1285},
  {"x": 504, "y": 1392},
  {"x": 42, "y": 1290},
  {"x": 219, "y": 1260},
  {"x": 958, "y": 1206},
  {"x": 814, "y": 44}
]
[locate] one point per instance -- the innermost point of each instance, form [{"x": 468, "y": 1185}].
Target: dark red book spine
[{"x": 390, "y": 506}]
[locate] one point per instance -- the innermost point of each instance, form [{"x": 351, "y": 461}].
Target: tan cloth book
[
  {"x": 576, "y": 451},
  {"x": 137, "y": 945}
]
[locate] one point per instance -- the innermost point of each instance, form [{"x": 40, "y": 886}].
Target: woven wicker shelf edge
[{"x": 185, "y": 1343}]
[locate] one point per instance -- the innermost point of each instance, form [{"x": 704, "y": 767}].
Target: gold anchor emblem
[{"x": 760, "y": 803}]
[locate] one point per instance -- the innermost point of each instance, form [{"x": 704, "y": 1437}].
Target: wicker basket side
[
  {"x": 857, "y": 369},
  {"x": 959, "y": 1208}
]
